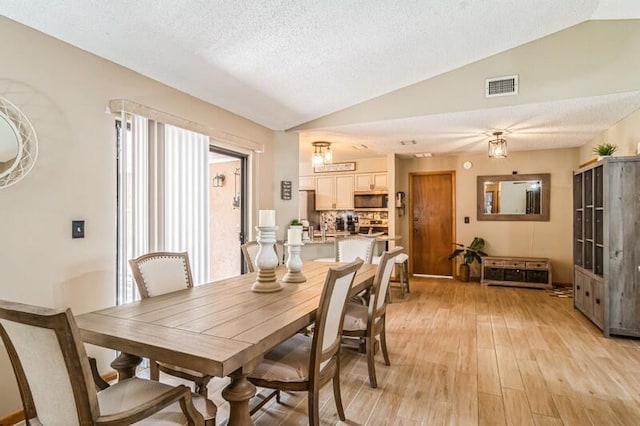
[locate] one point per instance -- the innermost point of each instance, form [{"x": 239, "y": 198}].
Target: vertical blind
[
  {"x": 163, "y": 197},
  {"x": 186, "y": 197}
]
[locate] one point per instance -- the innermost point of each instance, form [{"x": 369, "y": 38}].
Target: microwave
[{"x": 370, "y": 200}]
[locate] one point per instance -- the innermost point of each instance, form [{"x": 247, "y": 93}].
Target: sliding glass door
[{"x": 227, "y": 224}]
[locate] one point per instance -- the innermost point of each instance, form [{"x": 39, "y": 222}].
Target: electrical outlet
[{"x": 77, "y": 229}]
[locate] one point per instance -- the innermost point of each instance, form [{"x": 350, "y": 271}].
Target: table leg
[
  {"x": 238, "y": 393},
  {"x": 125, "y": 364}
]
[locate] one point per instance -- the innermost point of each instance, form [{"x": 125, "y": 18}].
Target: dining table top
[{"x": 214, "y": 328}]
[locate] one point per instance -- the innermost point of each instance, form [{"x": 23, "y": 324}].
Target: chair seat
[
  {"x": 355, "y": 318},
  {"x": 182, "y": 370},
  {"x": 287, "y": 362},
  {"x": 399, "y": 259},
  {"x": 134, "y": 392}
]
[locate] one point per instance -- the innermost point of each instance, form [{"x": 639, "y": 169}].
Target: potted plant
[
  {"x": 473, "y": 252},
  {"x": 295, "y": 223},
  {"x": 605, "y": 150}
]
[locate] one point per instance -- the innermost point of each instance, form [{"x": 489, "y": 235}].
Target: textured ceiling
[
  {"x": 283, "y": 63},
  {"x": 558, "y": 124}
]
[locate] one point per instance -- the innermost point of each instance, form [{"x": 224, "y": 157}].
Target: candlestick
[
  {"x": 267, "y": 218},
  {"x": 294, "y": 264},
  {"x": 266, "y": 261},
  {"x": 294, "y": 236}
]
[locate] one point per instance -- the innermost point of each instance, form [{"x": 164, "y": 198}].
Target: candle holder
[
  {"x": 266, "y": 261},
  {"x": 294, "y": 265}
]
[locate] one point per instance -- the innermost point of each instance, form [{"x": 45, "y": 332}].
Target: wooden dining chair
[
  {"x": 306, "y": 363},
  {"x": 349, "y": 248},
  {"x": 249, "y": 252},
  {"x": 56, "y": 386},
  {"x": 402, "y": 262},
  {"x": 159, "y": 273},
  {"x": 369, "y": 322}
]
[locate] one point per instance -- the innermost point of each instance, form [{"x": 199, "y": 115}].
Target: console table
[{"x": 516, "y": 271}]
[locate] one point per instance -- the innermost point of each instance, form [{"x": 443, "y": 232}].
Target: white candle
[
  {"x": 294, "y": 236},
  {"x": 267, "y": 218}
]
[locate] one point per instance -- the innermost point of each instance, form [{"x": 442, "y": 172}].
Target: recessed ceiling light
[
  {"x": 361, "y": 146},
  {"x": 411, "y": 142},
  {"x": 423, "y": 155}
]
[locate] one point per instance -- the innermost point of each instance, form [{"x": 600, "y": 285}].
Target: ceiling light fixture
[
  {"x": 322, "y": 153},
  {"x": 498, "y": 146}
]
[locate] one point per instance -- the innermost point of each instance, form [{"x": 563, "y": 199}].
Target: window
[{"x": 163, "y": 196}]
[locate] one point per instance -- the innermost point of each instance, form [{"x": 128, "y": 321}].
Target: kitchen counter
[{"x": 316, "y": 248}]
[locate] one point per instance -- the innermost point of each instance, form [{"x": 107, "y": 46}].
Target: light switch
[
  {"x": 466, "y": 219},
  {"x": 77, "y": 229}
]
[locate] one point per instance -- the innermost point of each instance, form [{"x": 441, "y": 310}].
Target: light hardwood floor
[{"x": 464, "y": 354}]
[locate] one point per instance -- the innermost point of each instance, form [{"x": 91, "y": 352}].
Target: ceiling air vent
[{"x": 501, "y": 86}]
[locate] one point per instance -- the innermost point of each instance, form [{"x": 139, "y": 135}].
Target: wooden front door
[{"x": 432, "y": 222}]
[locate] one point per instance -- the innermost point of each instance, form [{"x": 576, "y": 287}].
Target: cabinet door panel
[
  {"x": 325, "y": 190},
  {"x": 363, "y": 182},
  {"x": 597, "y": 288},
  {"x": 380, "y": 181},
  {"x": 307, "y": 183},
  {"x": 344, "y": 192},
  {"x": 579, "y": 284}
]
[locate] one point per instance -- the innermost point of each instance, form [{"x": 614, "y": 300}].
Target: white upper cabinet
[
  {"x": 371, "y": 182},
  {"x": 334, "y": 192},
  {"x": 307, "y": 183}
]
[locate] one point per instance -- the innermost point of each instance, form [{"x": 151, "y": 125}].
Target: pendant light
[
  {"x": 498, "y": 146},
  {"x": 322, "y": 153}
]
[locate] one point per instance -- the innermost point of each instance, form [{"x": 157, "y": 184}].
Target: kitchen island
[{"x": 319, "y": 248}]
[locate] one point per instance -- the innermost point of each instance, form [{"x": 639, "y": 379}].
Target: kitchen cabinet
[
  {"x": 606, "y": 270},
  {"x": 371, "y": 182},
  {"x": 334, "y": 192},
  {"x": 307, "y": 183}
]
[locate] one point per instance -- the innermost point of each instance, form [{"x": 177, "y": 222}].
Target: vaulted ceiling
[{"x": 374, "y": 72}]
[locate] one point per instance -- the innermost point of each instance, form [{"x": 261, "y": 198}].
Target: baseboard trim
[
  {"x": 17, "y": 417},
  {"x": 12, "y": 419}
]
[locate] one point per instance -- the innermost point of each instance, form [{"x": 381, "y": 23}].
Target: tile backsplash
[{"x": 365, "y": 219}]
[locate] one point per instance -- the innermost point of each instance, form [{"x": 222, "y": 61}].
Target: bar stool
[{"x": 401, "y": 260}]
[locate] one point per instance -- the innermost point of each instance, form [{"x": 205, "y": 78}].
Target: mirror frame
[
  {"x": 18, "y": 144},
  {"x": 28, "y": 150},
  {"x": 544, "y": 178}
]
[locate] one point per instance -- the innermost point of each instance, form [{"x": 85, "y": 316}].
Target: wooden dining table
[{"x": 220, "y": 328}]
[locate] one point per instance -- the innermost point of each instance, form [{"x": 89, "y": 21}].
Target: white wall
[
  {"x": 625, "y": 134},
  {"x": 285, "y": 169},
  {"x": 75, "y": 175},
  {"x": 550, "y": 239}
]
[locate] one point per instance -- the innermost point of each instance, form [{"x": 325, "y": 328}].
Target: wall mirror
[
  {"x": 18, "y": 144},
  {"x": 514, "y": 197}
]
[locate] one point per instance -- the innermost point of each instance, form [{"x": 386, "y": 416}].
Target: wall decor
[
  {"x": 18, "y": 144},
  {"x": 348, "y": 166},
  {"x": 285, "y": 190},
  {"x": 514, "y": 197}
]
